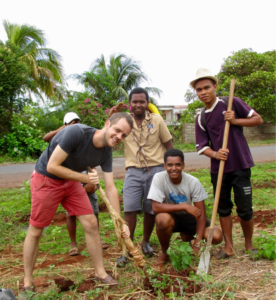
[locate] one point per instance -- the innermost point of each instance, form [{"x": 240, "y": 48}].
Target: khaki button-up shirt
[{"x": 154, "y": 148}]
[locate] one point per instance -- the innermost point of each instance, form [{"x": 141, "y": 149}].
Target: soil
[
  {"x": 172, "y": 283},
  {"x": 267, "y": 184},
  {"x": 262, "y": 218}
]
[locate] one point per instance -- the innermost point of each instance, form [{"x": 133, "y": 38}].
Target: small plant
[
  {"x": 180, "y": 255},
  {"x": 266, "y": 246}
]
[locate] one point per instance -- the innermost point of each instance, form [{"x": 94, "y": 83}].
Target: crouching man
[{"x": 173, "y": 194}]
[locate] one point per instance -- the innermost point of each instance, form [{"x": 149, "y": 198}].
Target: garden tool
[
  {"x": 124, "y": 243},
  {"x": 205, "y": 256}
]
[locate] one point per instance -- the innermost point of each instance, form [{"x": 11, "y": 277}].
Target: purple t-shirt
[{"x": 239, "y": 156}]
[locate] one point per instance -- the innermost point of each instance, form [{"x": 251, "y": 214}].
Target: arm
[
  {"x": 54, "y": 167},
  {"x": 200, "y": 225},
  {"x": 113, "y": 197},
  {"x": 90, "y": 188},
  {"x": 254, "y": 120},
  {"x": 48, "y": 136},
  {"x": 168, "y": 145},
  {"x": 158, "y": 207}
]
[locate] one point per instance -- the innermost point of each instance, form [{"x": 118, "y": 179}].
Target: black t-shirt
[{"x": 77, "y": 141}]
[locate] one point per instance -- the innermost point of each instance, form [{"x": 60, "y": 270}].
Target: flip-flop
[
  {"x": 74, "y": 251},
  {"x": 121, "y": 261},
  {"x": 221, "y": 255},
  {"x": 23, "y": 292},
  {"x": 108, "y": 280},
  {"x": 147, "y": 249}
]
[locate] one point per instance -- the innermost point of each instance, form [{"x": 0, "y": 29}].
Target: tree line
[{"x": 34, "y": 97}]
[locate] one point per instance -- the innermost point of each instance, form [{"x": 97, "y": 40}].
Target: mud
[{"x": 262, "y": 218}]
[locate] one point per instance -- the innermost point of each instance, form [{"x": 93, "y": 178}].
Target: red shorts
[{"x": 48, "y": 193}]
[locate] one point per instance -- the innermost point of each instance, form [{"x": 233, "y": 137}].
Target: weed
[
  {"x": 180, "y": 255},
  {"x": 266, "y": 246}
]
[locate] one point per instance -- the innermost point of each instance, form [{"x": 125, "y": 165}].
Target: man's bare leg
[
  {"x": 149, "y": 221},
  {"x": 247, "y": 228},
  {"x": 226, "y": 226},
  {"x": 30, "y": 251},
  {"x": 93, "y": 243},
  {"x": 164, "y": 228},
  {"x": 72, "y": 228},
  {"x": 130, "y": 218}
]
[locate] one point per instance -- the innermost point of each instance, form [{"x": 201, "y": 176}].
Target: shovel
[{"x": 204, "y": 262}]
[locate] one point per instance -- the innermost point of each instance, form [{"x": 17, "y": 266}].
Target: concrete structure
[
  {"x": 171, "y": 114},
  {"x": 258, "y": 133}
]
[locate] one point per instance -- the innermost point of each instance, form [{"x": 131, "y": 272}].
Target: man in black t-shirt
[{"x": 57, "y": 180}]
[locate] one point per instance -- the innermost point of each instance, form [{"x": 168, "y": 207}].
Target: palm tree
[
  {"x": 112, "y": 81},
  {"x": 44, "y": 63}
]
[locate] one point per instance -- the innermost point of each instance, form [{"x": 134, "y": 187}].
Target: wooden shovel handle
[{"x": 222, "y": 162}]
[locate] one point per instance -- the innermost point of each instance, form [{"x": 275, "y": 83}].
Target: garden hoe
[
  {"x": 124, "y": 243},
  {"x": 205, "y": 256}
]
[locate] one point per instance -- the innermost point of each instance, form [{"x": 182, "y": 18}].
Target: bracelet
[{"x": 215, "y": 155}]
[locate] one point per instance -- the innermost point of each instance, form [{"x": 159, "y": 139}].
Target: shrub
[{"x": 23, "y": 140}]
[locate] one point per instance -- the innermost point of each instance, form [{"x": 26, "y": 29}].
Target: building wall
[{"x": 259, "y": 133}]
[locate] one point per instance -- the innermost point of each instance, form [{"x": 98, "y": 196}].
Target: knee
[
  {"x": 35, "y": 232},
  {"x": 217, "y": 236},
  {"x": 163, "y": 221},
  {"x": 90, "y": 223}
]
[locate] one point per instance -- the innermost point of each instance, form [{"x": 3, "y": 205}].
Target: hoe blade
[{"x": 204, "y": 262}]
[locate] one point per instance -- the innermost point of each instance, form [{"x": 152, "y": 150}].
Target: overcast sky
[{"x": 171, "y": 39}]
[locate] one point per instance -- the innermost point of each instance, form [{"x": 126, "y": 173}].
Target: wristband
[{"x": 215, "y": 155}]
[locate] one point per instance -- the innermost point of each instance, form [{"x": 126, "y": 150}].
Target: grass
[{"x": 238, "y": 278}]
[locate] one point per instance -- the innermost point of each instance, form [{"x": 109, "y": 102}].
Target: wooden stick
[
  {"x": 221, "y": 166},
  {"x": 118, "y": 225}
]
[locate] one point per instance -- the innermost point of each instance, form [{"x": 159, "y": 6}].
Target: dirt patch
[
  {"x": 262, "y": 218},
  {"x": 59, "y": 219},
  {"x": 172, "y": 281},
  {"x": 267, "y": 184}
]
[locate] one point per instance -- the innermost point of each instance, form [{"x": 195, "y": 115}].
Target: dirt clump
[
  {"x": 262, "y": 218},
  {"x": 267, "y": 184},
  {"x": 64, "y": 284}
]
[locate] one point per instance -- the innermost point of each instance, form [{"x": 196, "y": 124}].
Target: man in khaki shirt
[{"x": 144, "y": 157}]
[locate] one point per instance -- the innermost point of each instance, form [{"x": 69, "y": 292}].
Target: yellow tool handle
[{"x": 222, "y": 162}]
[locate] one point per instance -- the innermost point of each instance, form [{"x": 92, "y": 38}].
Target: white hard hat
[{"x": 69, "y": 117}]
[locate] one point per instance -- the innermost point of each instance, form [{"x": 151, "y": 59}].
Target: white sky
[{"x": 171, "y": 39}]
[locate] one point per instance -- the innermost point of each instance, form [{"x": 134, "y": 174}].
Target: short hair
[
  {"x": 138, "y": 90},
  {"x": 116, "y": 117},
  {"x": 213, "y": 81},
  {"x": 174, "y": 152}
]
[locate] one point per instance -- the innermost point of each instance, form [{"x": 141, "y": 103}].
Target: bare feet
[{"x": 160, "y": 263}]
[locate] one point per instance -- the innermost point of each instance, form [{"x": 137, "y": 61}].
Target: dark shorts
[
  {"x": 186, "y": 224},
  {"x": 239, "y": 180}
]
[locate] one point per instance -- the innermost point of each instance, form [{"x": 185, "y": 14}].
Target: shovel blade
[{"x": 204, "y": 262}]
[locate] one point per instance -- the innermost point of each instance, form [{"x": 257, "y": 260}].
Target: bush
[{"x": 23, "y": 140}]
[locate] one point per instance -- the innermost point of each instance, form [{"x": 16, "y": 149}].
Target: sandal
[
  {"x": 121, "y": 261},
  {"x": 222, "y": 255},
  {"x": 147, "y": 249},
  {"x": 24, "y": 292},
  {"x": 74, "y": 251},
  {"x": 108, "y": 280}
]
